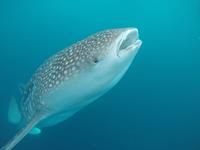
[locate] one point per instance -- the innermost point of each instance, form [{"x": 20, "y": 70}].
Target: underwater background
[{"x": 156, "y": 106}]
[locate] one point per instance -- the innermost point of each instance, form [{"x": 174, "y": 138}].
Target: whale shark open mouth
[{"x": 130, "y": 41}]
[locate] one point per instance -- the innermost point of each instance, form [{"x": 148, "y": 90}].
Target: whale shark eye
[{"x": 96, "y": 60}]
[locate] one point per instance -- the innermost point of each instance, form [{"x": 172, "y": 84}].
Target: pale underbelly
[
  {"x": 75, "y": 94},
  {"x": 71, "y": 97}
]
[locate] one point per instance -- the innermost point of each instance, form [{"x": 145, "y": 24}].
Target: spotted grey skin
[
  {"x": 75, "y": 77},
  {"x": 63, "y": 66}
]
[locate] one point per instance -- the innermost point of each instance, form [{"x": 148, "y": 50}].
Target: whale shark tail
[
  {"x": 22, "y": 133},
  {"x": 15, "y": 117}
]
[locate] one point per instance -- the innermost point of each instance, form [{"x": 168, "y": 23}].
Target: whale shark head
[
  {"x": 121, "y": 44},
  {"x": 115, "y": 50}
]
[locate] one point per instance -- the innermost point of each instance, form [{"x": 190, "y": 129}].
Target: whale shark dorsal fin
[
  {"x": 35, "y": 131},
  {"x": 14, "y": 115}
]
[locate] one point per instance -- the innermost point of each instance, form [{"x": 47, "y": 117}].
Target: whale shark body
[{"x": 72, "y": 79}]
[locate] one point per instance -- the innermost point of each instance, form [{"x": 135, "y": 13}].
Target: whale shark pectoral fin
[
  {"x": 14, "y": 115},
  {"x": 35, "y": 131}
]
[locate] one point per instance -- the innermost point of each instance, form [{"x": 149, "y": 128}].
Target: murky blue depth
[{"x": 156, "y": 106}]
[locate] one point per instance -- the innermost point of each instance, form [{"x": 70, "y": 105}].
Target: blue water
[{"x": 156, "y": 106}]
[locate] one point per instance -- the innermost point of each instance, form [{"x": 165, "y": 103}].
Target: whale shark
[{"x": 71, "y": 79}]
